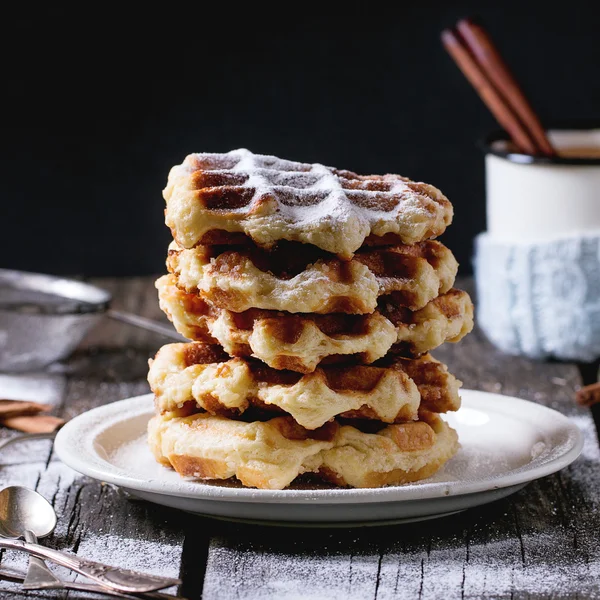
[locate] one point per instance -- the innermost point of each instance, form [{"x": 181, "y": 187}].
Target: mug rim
[{"x": 486, "y": 144}]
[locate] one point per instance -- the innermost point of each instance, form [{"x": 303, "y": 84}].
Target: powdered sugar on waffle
[{"x": 335, "y": 210}]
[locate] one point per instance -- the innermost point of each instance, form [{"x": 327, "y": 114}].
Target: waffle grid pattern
[
  {"x": 271, "y": 199},
  {"x": 312, "y": 296}
]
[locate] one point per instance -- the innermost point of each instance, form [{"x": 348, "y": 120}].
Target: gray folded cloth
[{"x": 540, "y": 299}]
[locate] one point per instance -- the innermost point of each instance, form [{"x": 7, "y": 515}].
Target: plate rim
[{"x": 97, "y": 419}]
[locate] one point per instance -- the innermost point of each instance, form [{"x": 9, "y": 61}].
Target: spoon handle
[
  {"x": 144, "y": 323},
  {"x": 122, "y": 580}
]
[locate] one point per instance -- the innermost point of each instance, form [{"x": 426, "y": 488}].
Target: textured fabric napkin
[{"x": 540, "y": 299}]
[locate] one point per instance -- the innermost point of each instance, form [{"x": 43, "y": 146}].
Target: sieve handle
[{"x": 147, "y": 324}]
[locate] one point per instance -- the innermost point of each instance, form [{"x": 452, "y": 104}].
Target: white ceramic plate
[{"x": 506, "y": 443}]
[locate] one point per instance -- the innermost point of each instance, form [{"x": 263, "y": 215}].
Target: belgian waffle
[
  {"x": 300, "y": 342},
  {"x": 213, "y": 198},
  {"x": 271, "y": 454},
  {"x": 187, "y": 377},
  {"x": 298, "y": 280}
]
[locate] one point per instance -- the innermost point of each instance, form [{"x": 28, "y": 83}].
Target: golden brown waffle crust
[
  {"x": 188, "y": 377},
  {"x": 271, "y": 454},
  {"x": 300, "y": 342},
  {"x": 238, "y": 279},
  {"x": 271, "y": 199}
]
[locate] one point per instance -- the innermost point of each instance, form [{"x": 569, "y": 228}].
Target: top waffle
[{"x": 220, "y": 198}]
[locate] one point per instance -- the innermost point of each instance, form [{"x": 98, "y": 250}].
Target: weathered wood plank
[
  {"x": 525, "y": 546},
  {"x": 95, "y": 520},
  {"x": 540, "y": 543},
  {"x": 24, "y": 464}
]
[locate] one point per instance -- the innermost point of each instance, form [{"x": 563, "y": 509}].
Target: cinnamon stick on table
[
  {"x": 16, "y": 408},
  {"x": 588, "y": 395},
  {"x": 24, "y": 415},
  {"x": 34, "y": 423}
]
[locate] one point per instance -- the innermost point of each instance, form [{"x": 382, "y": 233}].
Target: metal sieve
[{"x": 43, "y": 318}]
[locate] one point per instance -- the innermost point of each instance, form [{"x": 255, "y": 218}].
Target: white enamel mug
[
  {"x": 537, "y": 266},
  {"x": 539, "y": 198}
]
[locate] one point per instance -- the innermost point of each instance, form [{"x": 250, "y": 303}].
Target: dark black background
[{"x": 99, "y": 104}]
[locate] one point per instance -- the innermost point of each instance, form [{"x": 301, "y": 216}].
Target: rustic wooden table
[{"x": 543, "y": 542}]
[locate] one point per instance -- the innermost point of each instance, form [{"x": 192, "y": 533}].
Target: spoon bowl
[{"x": 24, "y": 509}]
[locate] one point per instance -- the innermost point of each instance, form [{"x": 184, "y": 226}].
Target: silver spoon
[
  {"x": 41, "y": 523},
  {"x": 23, "y": 509}
]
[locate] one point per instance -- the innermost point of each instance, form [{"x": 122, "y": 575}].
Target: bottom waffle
[{"x": 271, "y": 454}]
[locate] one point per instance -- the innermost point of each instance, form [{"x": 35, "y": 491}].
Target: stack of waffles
[{"x": 312, "y": 297}]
